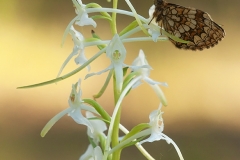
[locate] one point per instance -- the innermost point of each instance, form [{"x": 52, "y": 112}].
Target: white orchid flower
[
  {"x": 76, "y": 106},
  {"x": 81, "y": 19},
  {"x": 82, "y": 16},
  {"x": 98, "y": 131},
  {"x": 117, "y": 54},
  {"x": 78, "y": 50},
  {"x": 98, "y": 127},
  {"x": 143, "y": 74},
  {"x": 156, "y": 128}
]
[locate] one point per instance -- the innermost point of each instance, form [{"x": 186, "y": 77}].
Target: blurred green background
[{"x": 203, "y": 110}]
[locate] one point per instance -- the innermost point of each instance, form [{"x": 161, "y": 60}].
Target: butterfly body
[{"x": 189, "y": 24}]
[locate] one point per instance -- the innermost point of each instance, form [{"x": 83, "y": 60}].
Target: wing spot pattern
[{"x": 189, "y": 24}]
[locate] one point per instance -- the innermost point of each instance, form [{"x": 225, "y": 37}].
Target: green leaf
[
  {"x": 101, "y": 17},
  {"x": 127, "y": 80},
  {"x": 138, "y": 136},
  {"x": 100, "y": 93},
  {"x": 66, "y": 75},
  {"x": 92, "y": 142},
  {"x": 95, "y": 5},
  {"x": 132, "y": 25},
  {"x": 135, "y": 130},
  {"x": 136, "y": 17},
  {"x": 98, "y": 108},
  {"x": 134, "y": 142},
  {"x": 95, "y": 36},
  {"x": 102, "y": 141},
  {"x": 125, "y": 71}
]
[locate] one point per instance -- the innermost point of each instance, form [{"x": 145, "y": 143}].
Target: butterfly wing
[{"x": 191, "y": 25}]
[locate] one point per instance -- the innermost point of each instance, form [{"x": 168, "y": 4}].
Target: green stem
[
  {"x": 115, "y": 136},
  {"x": 114, "y": 17},
  {"x": 115, "y": 133}
]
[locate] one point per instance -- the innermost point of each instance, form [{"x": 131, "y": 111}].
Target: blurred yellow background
[{"x": 203, "y": 110}]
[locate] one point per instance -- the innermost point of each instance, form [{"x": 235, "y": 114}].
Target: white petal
[
  {"x": 142, "y": 63},
  {"x": 50, "y": 123},
  {"x": 160, "y": 94},
  {"x": 153, "y": 137},
  {"x": 142, "y": 57},
  {"x": 98, "y": 125},
  {"x": 77, "y": 37},
  {"x": 100, "y": 72},
  {"x": 80, "y": 2},
  {"x": 98, "y": 155},
  {"x": 119, "y": 75},
  {"x": 88, "y": 108},
  {"x": 140, "y": 60},
  {"x": 78, "y": 47},
  {"x": 155, "y": 32},
  {"x": 77, "y": 116},
  {"x": 74, "y": 52},
  {"x": 116, "y": 45},
  {"x": 75, "y": 97},
  {"x": 138, "y": 83},
  {"x": 85, "y": 20},
  {"x": 81, "y": 59},
  {"x": 156, "y": 123},
  {"x": 92, "y": 154},
  {"x": 135, "y": 68},
  {"x": 88, "y": 154},
  {"x": 150, "y": 81}
]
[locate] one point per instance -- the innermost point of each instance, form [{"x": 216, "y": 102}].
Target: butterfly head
[{"x": 157, "y": 2}]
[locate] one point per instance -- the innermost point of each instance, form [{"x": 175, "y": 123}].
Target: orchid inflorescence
[{"x": 108, "y": 146}]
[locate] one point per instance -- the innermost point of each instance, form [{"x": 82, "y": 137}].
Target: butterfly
[{"x": 189, "y": 24}]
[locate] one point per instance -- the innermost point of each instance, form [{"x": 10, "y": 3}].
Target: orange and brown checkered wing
[{"x": 191, "y": 25}]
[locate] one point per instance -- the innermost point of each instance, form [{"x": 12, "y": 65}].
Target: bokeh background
[{"x": 203, "y": 110}]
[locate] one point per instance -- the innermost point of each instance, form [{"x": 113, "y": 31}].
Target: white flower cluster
[{"x": 96, "y": 117}]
